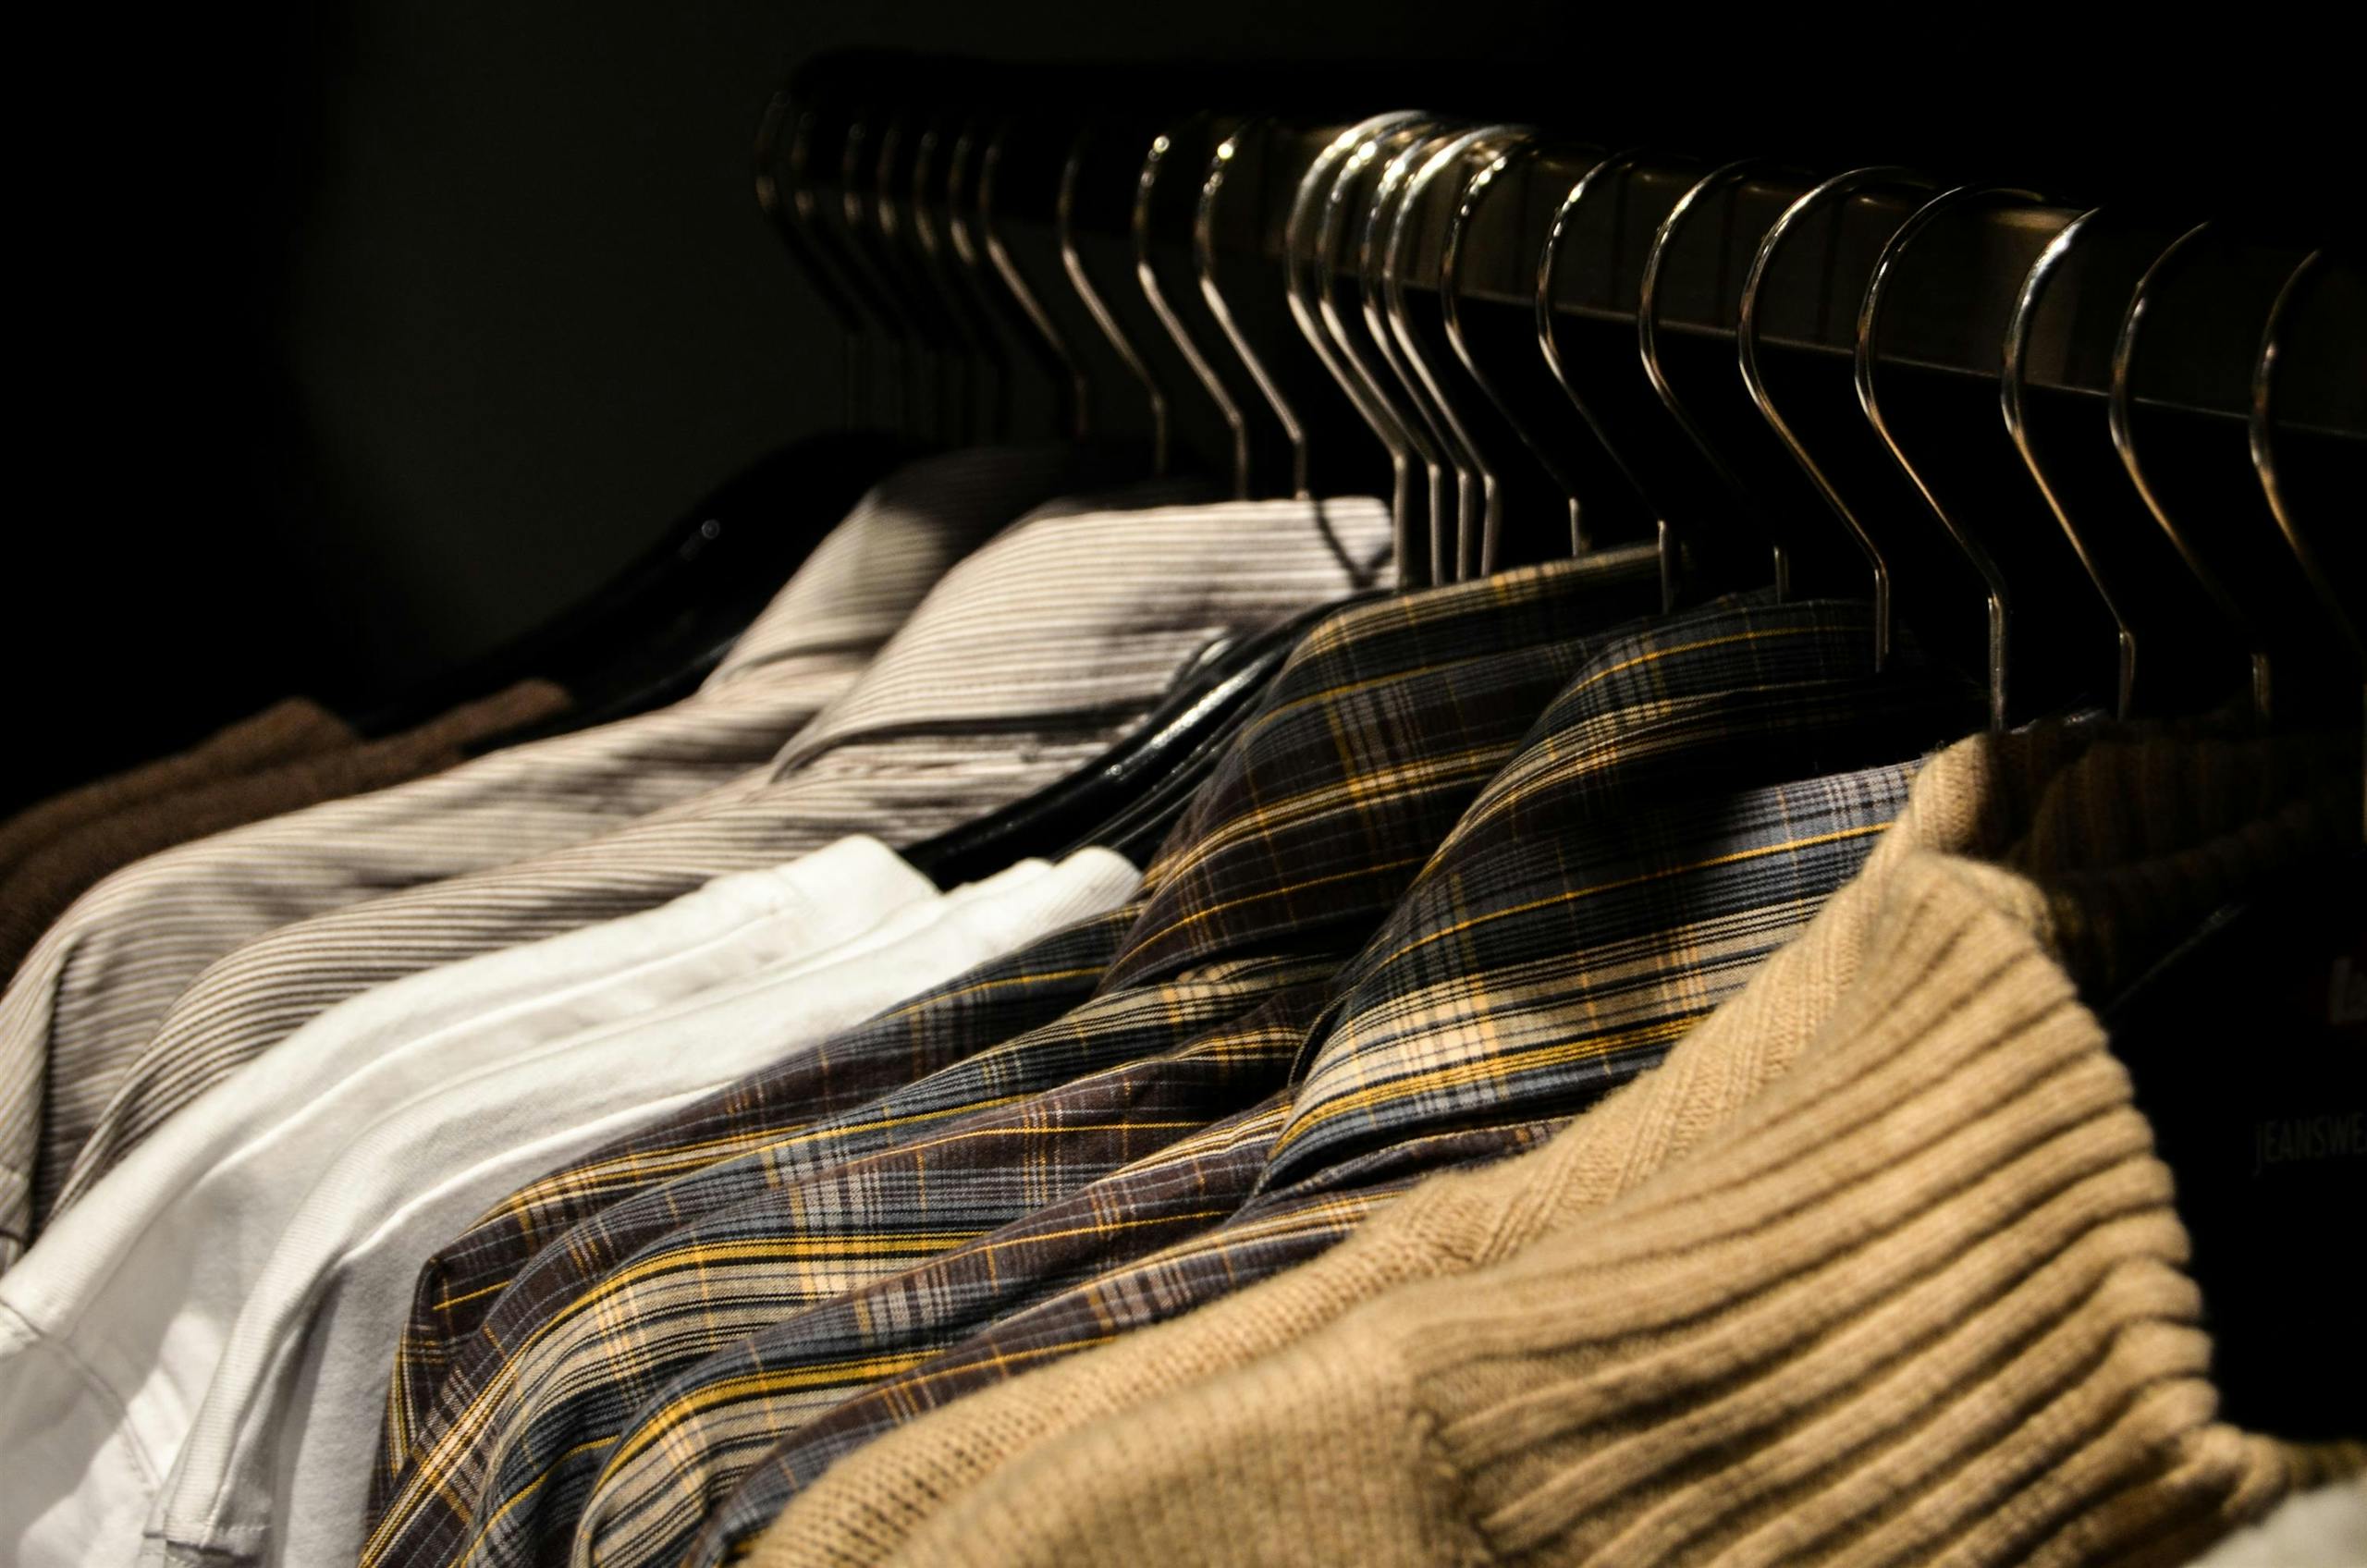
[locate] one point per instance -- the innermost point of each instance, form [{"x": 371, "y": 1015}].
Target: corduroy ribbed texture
[
  {"x": 294, "y": 727},
  {"x": 1877, "y": 1267}
]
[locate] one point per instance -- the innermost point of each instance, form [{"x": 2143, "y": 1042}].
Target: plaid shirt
[
  {"x": 1682, "y": 716},
  {"x": 1590, "y": 927},
  {"x": 1262, "y": 1236},
  {"x": 1379, "y": 732}
]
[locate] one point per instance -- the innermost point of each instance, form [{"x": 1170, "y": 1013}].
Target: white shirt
[
  {"x": 278, "y": 1463},
  {"x": 112, "y": 1327},
  {"x": 247, "y": 1151},
  {"x": 107, "y": 1326}
]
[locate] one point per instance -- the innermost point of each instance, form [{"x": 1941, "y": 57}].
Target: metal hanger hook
[
  {"x": 1837, "y": 189},
  {"x": 1648, "y": 341},
  {"x": 1073, "y": 263},
  {"x": 1549, "y": 259},
  {"x": 1997, "y": 594},
  {"x": 2120, "y": 409},
  {"x": 1146, "y": 277},
  {"x": 1467, "y": 208},
  {"x": 1479, "y": 516},
  {"x": 1203, "y": 263},
  {"x": 1443, "y": 450},
  {"x": 1305, "y": 308},
  {"x": 1078, "y": 388}
]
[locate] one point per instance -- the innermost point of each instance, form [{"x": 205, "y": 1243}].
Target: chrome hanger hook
[
  {"x": 1139, "y": 227},
  {"x": 956, "y": 368},
  {"x": 1996, "y": 593},
  {"x": 1549, "y": 340},
  {"x": 1449, "y": 514},
  {"x": 958, "y": 283},
  {"x": 2120, "y": 407},
  {"x": 2343, "y": 611},
  {"x": 1305, "y": 310},
  {"x": 1839, "y": 188},
  {"x": 1079, "y": 387},
  {"x": 1204, "y": 262},
  {"x": 790, "y": 213},
  {"x": 915, "y": 362},
  {"x": 2263, "y": 430},
  {"x": 1477, "y": 546},
  {"x": 1466, "y": 207},
  {"x": 1648, "y": 340},
  {"x": 1073, "y": 263}
]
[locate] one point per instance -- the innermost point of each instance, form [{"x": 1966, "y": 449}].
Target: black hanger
[
  {"x": 654, "y": 630},
  {"x": 652, "y": 635},
  {"x": 1088, "y": 806}
]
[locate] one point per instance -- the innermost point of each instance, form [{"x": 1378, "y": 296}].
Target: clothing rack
[
  {"x": 1991, "y": 246},
  {"x": 1715, "y": 911}
]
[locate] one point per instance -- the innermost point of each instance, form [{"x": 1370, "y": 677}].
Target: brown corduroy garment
[
  {"x": 48, "y": 879},
  {"x": 282, "y": 732},
  {"x": 1877, "y": 1268}
]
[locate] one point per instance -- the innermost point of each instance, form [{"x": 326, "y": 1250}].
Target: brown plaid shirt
[
  {"x": 1384, "y": 726},
  {"x": 1620, "y": 877}
]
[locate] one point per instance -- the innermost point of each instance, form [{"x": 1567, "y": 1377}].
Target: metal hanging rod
[{"x": 1951, "y": 323}]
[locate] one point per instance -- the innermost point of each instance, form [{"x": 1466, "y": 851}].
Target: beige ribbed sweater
[{"x": 1877, "y": 1268}]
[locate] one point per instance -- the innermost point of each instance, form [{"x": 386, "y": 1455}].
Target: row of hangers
[
  {"x": 1994, "y": 415},
  {"x": 1778, "y": 413}
]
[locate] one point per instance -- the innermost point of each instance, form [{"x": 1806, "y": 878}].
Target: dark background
[{"x": 365, "y": 336}]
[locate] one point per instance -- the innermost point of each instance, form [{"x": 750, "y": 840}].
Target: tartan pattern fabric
[
  {"x": 1694, "y": 796},
  {"x": 1256, "y": 1237},
  {"x": 1338, "y": 756},
  {"x": 457, "y": 1286},
  {"x": 1028, "y": 1167},
  {"x": 1708, "y": 703},
  {"x": 1388, "y": 708},
  {"x": 1591, "y": 928}
]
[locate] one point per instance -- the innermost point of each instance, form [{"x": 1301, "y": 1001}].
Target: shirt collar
[
  {"x": 1378, "y": 727},
  {"x": 1070, "y": 617},
  {"x": 867, "y": 574},
  {"x": 1730, "y": 760}
]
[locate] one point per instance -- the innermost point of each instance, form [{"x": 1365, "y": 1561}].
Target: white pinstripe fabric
[
  {"x": 1029, "y": 659},
  {"x": 93, "y": 993}
]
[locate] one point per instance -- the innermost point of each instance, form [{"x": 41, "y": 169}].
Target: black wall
[{"x": 365, "y": 336}]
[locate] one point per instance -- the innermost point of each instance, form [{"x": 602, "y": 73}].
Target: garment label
[
  {"x": 2283, "y": 1140},
  {"x": 2248, "y": 1049}
]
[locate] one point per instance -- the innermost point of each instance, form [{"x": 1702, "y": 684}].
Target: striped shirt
[
  {"x": 1625, "y": 873},
  {"x": 96, "y": 989},
  {"x": 1031, "y": 656},
  {"x": 1378, "y": 733}
]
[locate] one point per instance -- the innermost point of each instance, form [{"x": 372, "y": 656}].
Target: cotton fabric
[
  {"x": 95, "y": 991},
  {"x": 109, "y": 1337},
  {"x": 278, "y": 1454},
  {"x": 1026, "y": 660},
  {"x": 52, "y": 875}
]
